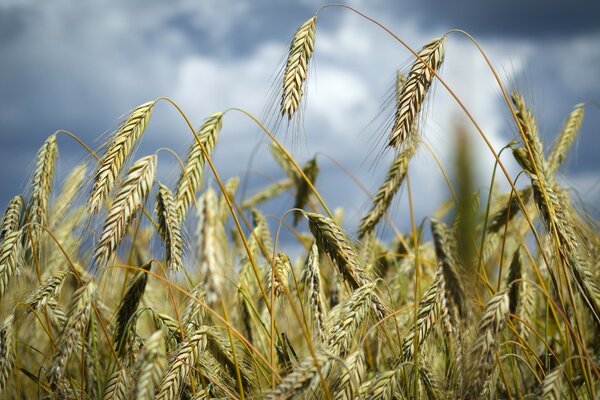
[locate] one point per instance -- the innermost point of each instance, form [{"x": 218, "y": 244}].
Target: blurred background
[{"x": 82, "y": 65}]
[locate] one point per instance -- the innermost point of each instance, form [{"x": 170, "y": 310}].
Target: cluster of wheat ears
[{"x": 108, "y": 292}]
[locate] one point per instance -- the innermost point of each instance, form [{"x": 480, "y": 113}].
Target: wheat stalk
[
  {"x": 414, "y": 90},
  {"x": 296, "y": 68},
  {"x": 129, "y": 199},
  {"x": 117, "y": 154},
  {"x": 169, "y": 227}
]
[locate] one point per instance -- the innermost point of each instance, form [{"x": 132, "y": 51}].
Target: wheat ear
[
  {"x": 353, "y": 370},
  {"x": 117, "y": 154},
  {"x": 151, "y": 367},
  {"x": 296, "y": 68},
  {"x": 277, "y": 276},
  {"x": 7, "y": 351},
  {"x": 310, "y": 169},
  {"x": 130, "y": 198},
  {"x": 47, "y": 291},
  {"x": 11, "y": 220},
  {"x": 414, "y": 90},
  {"x": 169, "y": 227},
  {"x": 311, "y": 276},
  {"x": 10, "y": 256},
  {"x": 117, "y": 387},
  {"x": 566, "y": 137},
  {"x": 268, "y": 193},
  {"x": 41, "y": 184}
]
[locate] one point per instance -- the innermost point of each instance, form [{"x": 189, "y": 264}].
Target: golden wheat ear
[{"x": 296, "y": 68}]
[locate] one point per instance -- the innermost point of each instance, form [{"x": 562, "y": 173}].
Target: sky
[{"x": 81, "y": 66}]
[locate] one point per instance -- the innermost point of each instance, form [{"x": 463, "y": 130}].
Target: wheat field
[{"x": 114, "y": 285}]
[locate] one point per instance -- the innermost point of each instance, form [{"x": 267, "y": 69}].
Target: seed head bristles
[
  {"x": 305, "y": 377},
  {"x": 311, "y": 276},
  {"x": 296, "y": 68},
  {"x": 151, "y": 367},
  {"x": 552, "y": 387},
  {"x": 69, "y": 190},
  {"x": 383, "y": 198},
  {"x": 277, "y": 277},
  {"x": 11, "y": 220},
  {"x": 211, "y": 250},
  {"x": 73, "y": 331},
  {"x": 41, "y": 186},
  {"x": 531, "y": 136},
  {"x": 352, "y": 372},
  {"x": 117, "y": 154},
  {"x": 194, "y": 314},
  {"x": 513, "y": 280},
  {"x": 445, "y": 258},
  {"x": 129, "y": 199},
  {"x": 311, "y": 169},
  {"x": 185, "y": 359},
  {"x": 117, "y": 387},
  {"x": 565, "y": 138},
  {"x": 231, "y": 187},
  {"x": 169, "y": 227},
  {"x": 268, "y": 193},
  {"x": 427, "y": 316},
  {"x": 482, "y": 355},
  {"x": 47, "y": 291},
  {"x": 415, "y": 89},
  {"x": 128, "y": 307},
  {"x": 7, "y": 351},
  {"x": 10, "y": 257},
  {"x": 190, "y": 179}
]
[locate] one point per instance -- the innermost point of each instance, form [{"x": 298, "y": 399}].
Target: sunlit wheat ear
[
  {"x": 482, "y": 356},
  {"x": 70, "y": 189},
  {"x": 190, "y": 179},
  {"x": 231, "y": 187},
  {"x": 221, "y": 350},
  {"x": 129, "y": 199},
  {"x": 310, "y": 169},
  {"x": 11, "y": 251},
  {"x": 553, "y": 385},
  {"x": 195, "y": 312},
  {"x": 117, "y": 387},
  {"x": 184, "y": 360},
  {"x": 263, "y": 231},
  {"x": 504, "y": 215},
  {"x": 268, "y": 193},
  {"x": 531, "y": 136},
  {"x": 151, "y": 367},
  {"x": 169, "y": 227},
  {"x": 303, "y": 378},
  {"x": 566, "y": 137},
  {"x": 41, "y": 186},
  {"x": 277, "y": 277},
  {"x": 117, "y": 154},
  {"x": 384, "y": 385},
  {"x": 11, "y": 220},
  {"x": 212, "y": 256},
  {"x": 128, "y": 306},
  {"x": 296, "y": 68},
  {"x": 47, "y": 291},
  {"x": 73, "y": 331},
  {"x": 7, "y": 351},
  {"x": 383, "y": 198},
  {"x": 415, "y": 89},
  {"x": 311, "y": 276},
  {"x": 352, "y": 372}
]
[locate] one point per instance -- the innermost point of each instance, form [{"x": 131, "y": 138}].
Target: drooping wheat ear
[
  {"x": 531, "y": 137},
  {"x": 127, "y": 308},
  {"x": 231, "y": 187},
  {"x": 70, "y": 189},
  {"x": 331, "y": 240},
  {"x": 415, "y": 89},
  {"x": 169, "y": 227},
  {"x": 262, "y": 229},
  {"x": 47, "y": 291},
  {"x": 296, "y": 68},
  {"x": 268, "y": 193},
  {"x": 10, "y": 256},
  {"x": 311, "y": 276},
  {"x": 130, "y": 198},
  {"x": 7, "y": 351},
  {"x": 427, "y": 316},
  {"x": 513, "y": 281},
  {"x": 352, "y": 372},
  {"x": 190, "y": 179},
  {"x": 384, "y": 386},
  {"x": 180, "y": 367},
  {"x": 482, "y": 355},
  {"x": 506, "y": 214},
  {"x": 552, "y": 387},
  {"x": 445, "y": 257},
  {"x": 557, "y": 211},
  {"x": 311, "y": 170},
  {"x": 277, "y": 277},
  {"x": 117, "y": 387},
  {"x": 565, "y": 138},
  {"x": 151, "y": 367},
  {"x": 169, "y": 325},
  {"x": 41, "y": 186},
  {"x": 11, "y": 220},
  {"x": 74, "y": 329},
  {"x": 195, "y": 314},
  {"x": 383, "y": 198},
  {"x": 117, "y": 154},
  {"x": 304, "y": 377},
  {"x": 211, "y": 247}
]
